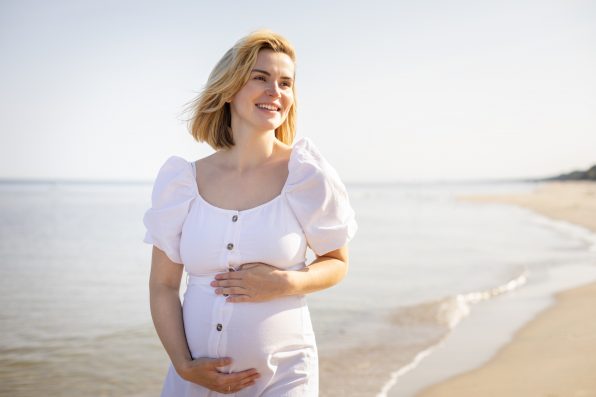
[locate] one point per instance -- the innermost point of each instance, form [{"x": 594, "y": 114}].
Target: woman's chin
[{"x": 268, "y": 126}]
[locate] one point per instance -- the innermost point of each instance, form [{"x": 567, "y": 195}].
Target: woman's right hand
[{"x": 204, "y": 371}]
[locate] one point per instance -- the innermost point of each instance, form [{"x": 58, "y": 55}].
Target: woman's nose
[{"x": 274, "y": 89}]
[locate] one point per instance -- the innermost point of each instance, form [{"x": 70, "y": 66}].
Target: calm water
[{"x": 75, "y": 321}]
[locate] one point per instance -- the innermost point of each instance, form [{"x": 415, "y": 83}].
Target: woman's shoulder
[
  {"x": 174, "y": 164},
  {"x": 319, "y": 199},
  {"x": 305, "y": 150},
  {"x": 307, "y": 163},
  {"x": 175, "y": 180},
  {"x": 173, "y": 191}
]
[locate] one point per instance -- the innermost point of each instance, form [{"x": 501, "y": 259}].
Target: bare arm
[
  {"x": 257, "y": 282},
  {"x": 166, "y": 311},
  {"x": 324, "y": 272}
]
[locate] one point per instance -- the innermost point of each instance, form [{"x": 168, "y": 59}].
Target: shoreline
[{"x": 554, "y": 352}]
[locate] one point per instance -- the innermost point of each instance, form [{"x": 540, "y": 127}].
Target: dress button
[
  {"x": 230, "y": 246},
  {"x": 219, "y": 327},
  {"x": 234, "y": 218}
]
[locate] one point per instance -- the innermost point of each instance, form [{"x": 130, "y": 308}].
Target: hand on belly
[
  {"x": 204, "y": 371},
  {"x": 253, "y": 282}
]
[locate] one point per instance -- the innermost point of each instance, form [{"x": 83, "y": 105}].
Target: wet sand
[{"x": 555, "y": 353}]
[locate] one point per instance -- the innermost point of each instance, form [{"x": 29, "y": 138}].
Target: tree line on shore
[{"x": 587, "y": 175}]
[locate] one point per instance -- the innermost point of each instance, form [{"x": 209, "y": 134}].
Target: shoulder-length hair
[{"x": 211, "y": 117}]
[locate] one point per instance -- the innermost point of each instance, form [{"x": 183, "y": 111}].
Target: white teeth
[{"x": 268, "y": 107}]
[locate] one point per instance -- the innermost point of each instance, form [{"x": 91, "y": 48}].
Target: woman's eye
[{"x": 287, "y": 84}]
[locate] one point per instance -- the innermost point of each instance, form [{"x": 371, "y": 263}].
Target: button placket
[
  {"x": 219, "y": 315},
  {"x": 230, "y": 247},
  {"x": 233, "y": 253},
  {"x": 222, "y": 310}
]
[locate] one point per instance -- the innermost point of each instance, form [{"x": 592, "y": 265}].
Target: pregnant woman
[{"x": 239, "y": 222}]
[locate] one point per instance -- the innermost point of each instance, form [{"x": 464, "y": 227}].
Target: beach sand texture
[
  {"x": 554, "y": 354},
  {"x": 573, "y": 202}
]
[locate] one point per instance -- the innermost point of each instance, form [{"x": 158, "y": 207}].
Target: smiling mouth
[{"x": 270, "y": 108}]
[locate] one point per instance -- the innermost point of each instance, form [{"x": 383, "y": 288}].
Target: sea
[{"x": 426, "y": 267}]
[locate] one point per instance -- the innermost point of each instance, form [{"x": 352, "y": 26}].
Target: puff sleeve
[
  {"x": 173, "y": 192},
  {"x": 319, "y": 199}
]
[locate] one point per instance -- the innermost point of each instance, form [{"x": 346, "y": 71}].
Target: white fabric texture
[{"x": 275, "y": 337}]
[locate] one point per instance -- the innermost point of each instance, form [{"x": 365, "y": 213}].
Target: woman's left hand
[{"x": 253, "y": 282}]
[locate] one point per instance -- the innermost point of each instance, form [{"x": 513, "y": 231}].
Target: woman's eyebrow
[{"x": 269, "y": 74}]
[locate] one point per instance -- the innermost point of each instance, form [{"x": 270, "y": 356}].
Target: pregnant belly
[{"x": 255, "y": 335}]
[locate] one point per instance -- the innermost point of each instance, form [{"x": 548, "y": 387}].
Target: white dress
[{"x": 275, "y": 337}]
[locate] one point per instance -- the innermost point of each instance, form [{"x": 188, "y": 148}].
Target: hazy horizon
[{"x": 67, "y": 181}]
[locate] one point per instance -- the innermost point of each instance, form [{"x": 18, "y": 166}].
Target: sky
[{"x": 388, "y": 91}]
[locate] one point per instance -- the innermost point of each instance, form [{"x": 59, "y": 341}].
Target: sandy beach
[{"x": 555, "y": 353}]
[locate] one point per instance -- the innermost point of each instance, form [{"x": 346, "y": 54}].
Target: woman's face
[{"x": 270, "y": 83}]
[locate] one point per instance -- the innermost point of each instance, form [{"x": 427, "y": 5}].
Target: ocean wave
[
  {"x": 443, "y": 316},
  {"x": 572, "y": 230}
]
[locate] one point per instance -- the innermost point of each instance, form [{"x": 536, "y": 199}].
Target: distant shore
[
  {"x": 570, "y": 201},
  {"x": 555, "y": 353}
]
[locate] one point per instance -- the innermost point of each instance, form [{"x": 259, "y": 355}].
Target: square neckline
[{"x": 193, "y": 166}]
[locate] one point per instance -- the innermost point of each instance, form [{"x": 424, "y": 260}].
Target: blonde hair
[{"x": 211, "y": 117}]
